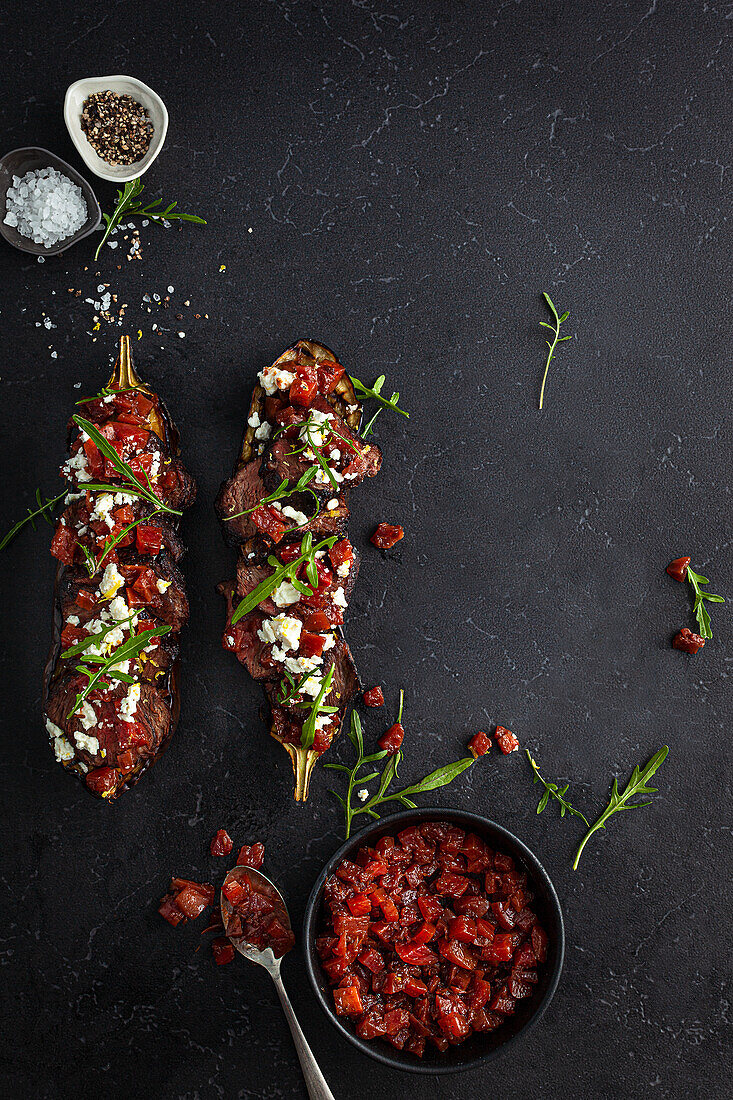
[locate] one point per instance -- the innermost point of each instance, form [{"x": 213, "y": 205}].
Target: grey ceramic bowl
[
  {"x": 31, "y": 159},
  {"x": 481, "y": 1047}
]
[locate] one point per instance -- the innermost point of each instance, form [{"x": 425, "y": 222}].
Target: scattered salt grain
[{"x": 45, "y": 206}]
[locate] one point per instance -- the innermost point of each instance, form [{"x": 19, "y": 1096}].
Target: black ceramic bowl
[
  {"x": 31, "y": 159},
  {"x": 479, "y": 1047}
]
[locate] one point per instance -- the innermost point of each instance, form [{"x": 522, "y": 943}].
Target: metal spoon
[{"x": 314, "y": 1079}]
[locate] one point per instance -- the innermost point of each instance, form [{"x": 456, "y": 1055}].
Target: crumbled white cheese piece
[
  {"x": 53, "y": 731},
  {"x": 363, "y": 794},
  {"x": 128, "y": 706},
  {"x": 86, "y": 741},
  {"x": 275, "y": 378},
  {"x": 71, "y": 497},
  {"x": 329, "y": 643},
  {"x": 285, "y": 594},
  {"x": 73, "y": 620},
  {"x": 63, "y": 749},
  {"x": 333, "y": 503},
  {"x": 343, "y": 569},
  {"x": 264, "y": 431},
  {"x": 299, "y": 665},
  {"x": 155, "y": 465},
  {"x": 292, "y": 513},
  {"x": 312, "y": 686},
  {"x": 163, "y": 586},
  {"x": 315, "y": 430},
  {"x": 124, "y": 498},
  {"x": 254, "y": 420},
  {"x": 335, "y": 454},
  {"x": 88, "y": 715},
  {"x": 103, "y": 508},
  {"x": 339, "y": 597},
  {"x": 111, "y": 582},
  {"x": 322, "y": 721},
  {"x": 282, "y": 629},
  {"x": 76, "y": 467},
  {"x": 119, "y": 609}
]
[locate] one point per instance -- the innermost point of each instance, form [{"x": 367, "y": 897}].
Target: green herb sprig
[
  {"x": 699, "y": 609},
  {"x": 135, "y": 487},
  {"x": 283, "y": 490},
  {"x": 97, "y": 668},
  {"x": 45, "y": 505},
  {"x": 285, "y": 571},
  {"x": 308, "y": 732},
  {"x": 619, "y": 800},
  {"x": 128, "y": 207},
  {"x": 441, "y": 777},
  {"x": 552, "y": 791},
  {"x": 557, "y": 339},
  {"x": 375, "y": 393}
]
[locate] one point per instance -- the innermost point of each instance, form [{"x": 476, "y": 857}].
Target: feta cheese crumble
[
  {"x": 112, "y": 581},
  {"x": 282, "y": 630},
  {"x": 285, "y": 595},
  {"x": 275, "y": 378}
]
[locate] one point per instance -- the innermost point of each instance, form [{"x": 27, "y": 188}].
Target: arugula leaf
[
  {"x": 699, "y": 609},
  {"x": 557, "y": 339},
  {"x": 283, "y": 571},
  {"x": 127, "y": 207},
  {"x": 125, "y": 471},
  {"x": 552, "y": 791}
]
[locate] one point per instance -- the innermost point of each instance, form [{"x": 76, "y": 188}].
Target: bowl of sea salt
[{"x": 45, "y": 205}]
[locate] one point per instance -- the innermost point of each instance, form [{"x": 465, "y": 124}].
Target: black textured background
[{"x": 413, "y": 176}]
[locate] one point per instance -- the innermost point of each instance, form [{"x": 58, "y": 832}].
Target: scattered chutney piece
[
  {"x": 223, "y": 950},
  {"x": 688, "y": 641},
  {"x": 386, "y": 535},
  {"x": 429, "y": 936},
  {"x": 374, "y": 697},
  {"x": 251, "y": 855},
  {"x": 479, "y": 744},
  {"x": 392, "y": 739},
  {"x": 186, "y": 900},
  {"x": 221, "y": 844},
  {"x": 678, "y": 568},
  {"x": 506, "y": 740}
]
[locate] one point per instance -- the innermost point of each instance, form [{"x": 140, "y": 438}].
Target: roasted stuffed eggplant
[
  {"x": 286, "y": 508},
  {"x": 111, "y": 682}
]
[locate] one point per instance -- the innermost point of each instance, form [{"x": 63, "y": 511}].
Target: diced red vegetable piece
[
  {"x": 392, "y": 739},
  {"x": 221, "y": 844},
  {"x": 270, "y": 522},
  {"x": 305, "y": 386},
  {"x": 251, "y": 855},
  {"x": 341, "y": 552},
  {"x": 234, "y": 891},
  {"x": 223, "y": 950},
  {"x": 678, "y": 568},
  {"x": 387, "y": 535},
  {"x": 317, "y": 621},
  {"x": 456, "y": 953},
  {"x": 347, "y": 1001},
  {"x": 424, "y": 933},
  {"x": 385, "y": 903},
  {"x": 454, "y": 1026},
  {"x": 148, "y": 538},
  {"x": 453, "y": 885},
  {"x": 430, "y": 907},
  {"x": 505, "y": 917},
  {"x": 372, "y": 960},
  {"x": 502, "y": 1002},
  {"x": 374, "y": 697},
  {"x": 311, "y": 645},
  {"x": 539, "y": 943},
  {"x": 192, "y": 901},
  {"x": 687, "y": 641},
  {"x": 506, "y": 740},
  {"x": 360, "y": 905},
  {"x": 501, "y": 949},
  {"x": 479, "y": 745},
  {"x": 329, "y": 374},
  {"x": 170, "y": 911},
  {"x": 102, "y": 781},
  {"x": 415, "y": 953},
  {"x": 463, "y": 929},
  {"x": 63, "y": 544}
]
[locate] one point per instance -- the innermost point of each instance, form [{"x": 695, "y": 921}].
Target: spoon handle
[{"x": 314, "y": 1080}]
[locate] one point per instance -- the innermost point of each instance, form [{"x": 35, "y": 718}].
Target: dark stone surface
[{"x": 413, "y": 176}]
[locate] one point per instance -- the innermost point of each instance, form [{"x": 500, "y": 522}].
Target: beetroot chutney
[{"x": 430, "y": 936}]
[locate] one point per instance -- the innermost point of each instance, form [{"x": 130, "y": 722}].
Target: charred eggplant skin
[
  {"x": 109, "y": 771},
  {"x": 253, "y": 477}
]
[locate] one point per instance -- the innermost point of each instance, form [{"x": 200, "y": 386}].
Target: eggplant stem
[
  {"x": 303, "y": 761},
  {"x": 123, "y": 375}
]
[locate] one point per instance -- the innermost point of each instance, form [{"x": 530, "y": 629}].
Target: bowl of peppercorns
[
  {"x": 117, "y": 123},
  {"x": 433, "y": 940}
]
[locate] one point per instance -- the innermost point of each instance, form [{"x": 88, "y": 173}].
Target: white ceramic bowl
[{"x": 124, "y": 85}]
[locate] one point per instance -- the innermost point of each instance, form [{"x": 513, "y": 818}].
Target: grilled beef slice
[{"x": 169, "y": 607}]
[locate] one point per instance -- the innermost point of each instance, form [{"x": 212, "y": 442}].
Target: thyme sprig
[
  {"x": 106, "y": 391},
  {"x": 128, "y": 207},
  {"x": 441, "y": 777},
  {"x": 619, "y": 800},
  {"x": 699, "y": 609},
  {"x": 557, "y": 339},
  {"x": 375, "y": 393},
  {"x": 45, "y": 505},
  {"x": 285, "y": 571},
  {"x": 128, "y": 651},
  {"x": 136, "y": 488}
]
